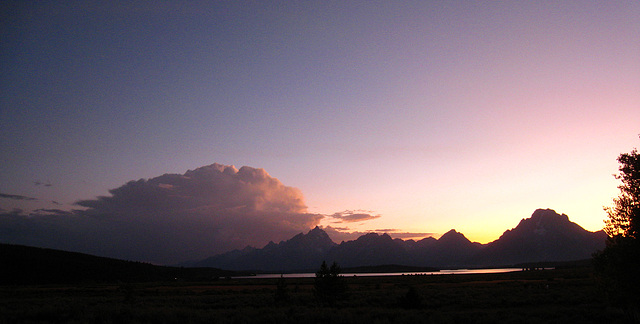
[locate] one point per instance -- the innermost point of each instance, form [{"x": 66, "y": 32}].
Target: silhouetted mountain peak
[
  {"x": 427, "y": 241},
  {"x": 545, "y": 236},
  {"x": 303, "y": 251},
  {"x": 543, "y": 217},
  {"x": 453, "y": 237},
  {"x": 370, "y": 249},
  {"x": 316, "y": 239},
  {"x": 455, "y": 243},
  {"x": 452, "y": 234},
  {"x": 545, "y": 221},
  {"x": 374, "y": 238},
  {"x": 548, "y": 215},
  {"x": 319, "y": 234}
]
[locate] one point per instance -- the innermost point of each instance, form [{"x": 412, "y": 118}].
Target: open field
[{"x": 549, "y": 296}]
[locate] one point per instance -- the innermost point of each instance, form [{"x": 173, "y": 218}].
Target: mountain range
[{"x": 544, "y": 237}]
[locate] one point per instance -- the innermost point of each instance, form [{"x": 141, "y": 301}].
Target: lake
[{"x": 374, "y": 274}]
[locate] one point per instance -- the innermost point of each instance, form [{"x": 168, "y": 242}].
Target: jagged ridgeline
[{"x": 544, "y": 237}]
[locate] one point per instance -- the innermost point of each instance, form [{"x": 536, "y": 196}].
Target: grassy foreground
[{"x": 550, "y": 296}]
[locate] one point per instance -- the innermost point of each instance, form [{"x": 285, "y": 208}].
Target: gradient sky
[{"x": 431, "y": 114}]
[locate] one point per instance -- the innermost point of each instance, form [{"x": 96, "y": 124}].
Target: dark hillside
[{"x": 31, "y": 265}]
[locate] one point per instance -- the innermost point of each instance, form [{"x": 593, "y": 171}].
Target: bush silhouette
[
  {"x": 411, "y": 299},
  {"x": 282, "y": 293}
]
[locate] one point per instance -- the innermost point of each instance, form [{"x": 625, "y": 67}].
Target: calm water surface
[{"x": 441, "y": 272}]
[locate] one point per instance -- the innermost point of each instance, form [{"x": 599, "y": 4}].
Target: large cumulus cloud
[{"x": 173, "y": 217}]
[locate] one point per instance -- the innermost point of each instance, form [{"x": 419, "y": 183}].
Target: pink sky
[{"x": 432, "y": 115}]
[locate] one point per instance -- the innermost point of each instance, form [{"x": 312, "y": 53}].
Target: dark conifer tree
[
  {"x": 329, "y": 285},
  {"x": 618, "y": 265}
]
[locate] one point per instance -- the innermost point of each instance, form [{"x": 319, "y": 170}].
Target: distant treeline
[
  {"x": 30, "y": 265},
  {"x": 585, "y": 263},
  {"x": 389, "y": 268}
]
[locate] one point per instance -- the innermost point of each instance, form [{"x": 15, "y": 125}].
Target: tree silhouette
[
  {"x": 329, "y": 285},
  {"x": 618, "y": 265}
]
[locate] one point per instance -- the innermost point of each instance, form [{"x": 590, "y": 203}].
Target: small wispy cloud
[
  {"x": 39, "y": 183},
  {"x": 351, "y": 216},
  {"x": 16, "y": 197},
  {"x": 396, "y": 233},
  {"x": 56, "y": 212},
  {"x": 13, "y": 212}
]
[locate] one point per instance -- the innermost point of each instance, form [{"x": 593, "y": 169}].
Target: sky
[{"x": 411, "y": 117}]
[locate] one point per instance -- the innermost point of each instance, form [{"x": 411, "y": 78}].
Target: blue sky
[{"x": 430, "y": 114}]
